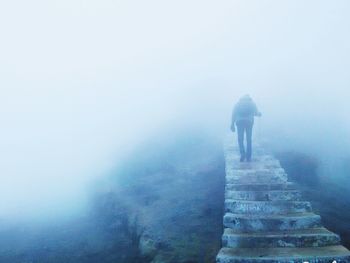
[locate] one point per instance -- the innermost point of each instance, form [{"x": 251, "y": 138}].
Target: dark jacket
[{"x": 244, "y": 111}]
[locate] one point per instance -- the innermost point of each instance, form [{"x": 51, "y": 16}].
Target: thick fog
[{"x": 84, "y": 82}]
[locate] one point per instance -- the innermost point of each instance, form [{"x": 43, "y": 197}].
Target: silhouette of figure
[{"x": 243, "y": 116}]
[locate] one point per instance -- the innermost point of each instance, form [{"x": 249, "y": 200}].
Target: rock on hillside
[{"x": 173, "y": 193}]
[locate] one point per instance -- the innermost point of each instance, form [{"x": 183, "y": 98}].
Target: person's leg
[
  {"x": 249, "y": 132},
  {"x": 240, "y": 136}
]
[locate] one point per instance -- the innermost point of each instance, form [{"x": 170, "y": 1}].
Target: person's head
[{"x": 245, "y": 97}]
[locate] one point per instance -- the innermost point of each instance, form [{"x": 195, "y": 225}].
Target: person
[{"x": 243, "y": 116}]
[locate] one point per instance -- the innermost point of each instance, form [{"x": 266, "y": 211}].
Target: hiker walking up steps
[{"x": 243, "y": 117}]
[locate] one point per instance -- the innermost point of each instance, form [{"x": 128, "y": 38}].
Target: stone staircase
[{"x": 266, "y": 219}]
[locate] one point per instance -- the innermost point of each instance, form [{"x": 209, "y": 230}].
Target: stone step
[
  {"x": 234, "y": 162},
  {"x": 257, "y": 150},
  {"x": 266, "y": 207},
  {"x": 338, "y": 254},
  {"x": 274, "y": 195},
  {"x": 261, "y": 223},
  {"x": 249, "y": 179},
  {"x": 261, "y": 186},
  {"x": 314, "y": 237},
  {"x": 262, "y": 155},
  {"x": 260, "y": 171},
  {"x": 257, "y": 157}
]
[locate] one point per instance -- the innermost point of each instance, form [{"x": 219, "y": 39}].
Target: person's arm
[
  {"x": 256, "y": 111},
  {"x": 233, "y": 119}
]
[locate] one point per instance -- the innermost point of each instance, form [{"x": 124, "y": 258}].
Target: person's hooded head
[{"x": 245, "y": 98}]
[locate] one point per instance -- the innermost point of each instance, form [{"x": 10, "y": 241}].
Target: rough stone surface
[
  {"x": 261, "y": 186},
  {"x": 266, "y": 219},
  {"x": 266, "y": 207},
  {"x": 284, "y": 255},
  {"x": 273, "y": 195},
  {"x": 253, "y": 222},
  {"x": 315, "y": 237}
]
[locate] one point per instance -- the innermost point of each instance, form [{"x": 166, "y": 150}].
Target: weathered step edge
[
  {"x": 272, "y": 195},
  {"x": 284, "y": 255},
  {"x": 261, "y": 186},
  {"x": 266, "y": 207},
  {"x": 248, "y": 223},
  {"x": 317, "y": 237}
]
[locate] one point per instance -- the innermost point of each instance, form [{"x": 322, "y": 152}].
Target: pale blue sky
[{"x": 82, "y": 82}]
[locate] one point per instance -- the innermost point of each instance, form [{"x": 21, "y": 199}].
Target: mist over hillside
[
  {"x": 163, "y": 204},
  {"x": 113, "y": 115}
]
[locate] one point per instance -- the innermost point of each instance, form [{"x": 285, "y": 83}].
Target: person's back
[
  {"x": 245, "y": 110},
  {"x": 243, "y": 116}
]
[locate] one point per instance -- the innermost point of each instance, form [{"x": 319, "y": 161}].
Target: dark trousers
[{"x": 245, "y": 127}]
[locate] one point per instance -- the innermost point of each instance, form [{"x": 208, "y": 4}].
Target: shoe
[
  {"x": 242, "y": 159},
  {"x": 249, "y": 159}
]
